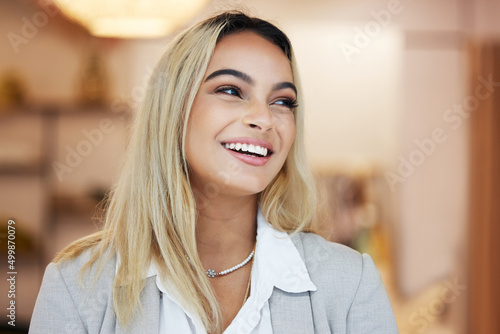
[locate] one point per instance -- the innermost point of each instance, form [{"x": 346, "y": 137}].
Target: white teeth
[
  {"x": 262, "y": 150},
  {"x": 247, "y": 148}
]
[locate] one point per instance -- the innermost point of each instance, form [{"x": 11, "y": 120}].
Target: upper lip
[{"x": 248, "y": 141}]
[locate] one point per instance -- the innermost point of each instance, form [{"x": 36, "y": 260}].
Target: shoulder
[
  {"x": 311, "y": 241},
  {"x": 70, "y": 298},
  {"x": 89, "y": 288},
  {"x": 315, "y": 250},
  {"x": 82, "y": 280},
  {"x": 71, "y": 270},
  {"x": 350, "y": 292},
  {"x": 333, "y": 266}
]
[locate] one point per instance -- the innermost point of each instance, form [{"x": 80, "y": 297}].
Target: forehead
[{"x": 248, "y": 51}]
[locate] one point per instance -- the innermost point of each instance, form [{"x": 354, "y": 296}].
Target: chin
[{"x": 250, "y": 186}]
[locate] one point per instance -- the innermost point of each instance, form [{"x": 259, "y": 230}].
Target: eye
[
  {"x": 229, "y": 90},
  {"x": 287, "y": 102}
]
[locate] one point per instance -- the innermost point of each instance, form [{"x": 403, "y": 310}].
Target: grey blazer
[{"x": 350, "y": 297}]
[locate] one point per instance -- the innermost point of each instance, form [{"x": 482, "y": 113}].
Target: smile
[{"x": 248, "y": 149}]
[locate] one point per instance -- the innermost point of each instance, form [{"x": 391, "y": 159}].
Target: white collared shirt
[{"x": 277, "y": 263}]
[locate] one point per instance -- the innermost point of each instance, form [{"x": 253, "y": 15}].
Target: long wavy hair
[{"x": 151, "y": 212}]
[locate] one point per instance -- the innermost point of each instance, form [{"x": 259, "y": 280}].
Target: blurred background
[{"x": 403, "y": 133}]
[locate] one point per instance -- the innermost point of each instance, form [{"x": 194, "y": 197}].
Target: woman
[{"x": 202, "y": 232}]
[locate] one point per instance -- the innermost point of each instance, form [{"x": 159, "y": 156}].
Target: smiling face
[{"x": 241, "y": 125}]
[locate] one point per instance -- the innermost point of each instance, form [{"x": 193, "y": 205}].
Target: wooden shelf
[
  {"x": 24, "y": 170},
  {"x": 63, "y": 110},
  {"x": 33, "y": 142}
]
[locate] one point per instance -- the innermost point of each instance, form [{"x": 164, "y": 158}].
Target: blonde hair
[{"x": 151, "y": 215}]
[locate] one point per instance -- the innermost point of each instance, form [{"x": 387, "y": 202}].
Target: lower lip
[{"x": 250, "y": 159}]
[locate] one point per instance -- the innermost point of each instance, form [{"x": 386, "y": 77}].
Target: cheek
[
  {"x": 192, "y": 136},
  {"x": 288, "y": 133},
  {"x": 292, "y": 131},
  {"x": 196, "y": 124},
  {"x": 189, "y": 147}
]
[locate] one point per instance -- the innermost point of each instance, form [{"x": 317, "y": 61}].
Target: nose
[{"x": 259, "y": 116}]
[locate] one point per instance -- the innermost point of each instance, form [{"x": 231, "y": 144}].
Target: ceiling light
[{"x": 131, "y": 18}]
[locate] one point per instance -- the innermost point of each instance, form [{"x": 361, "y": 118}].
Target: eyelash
[
  {"x": 287, "y": 102},
  {"x": 224, "y": 90}
]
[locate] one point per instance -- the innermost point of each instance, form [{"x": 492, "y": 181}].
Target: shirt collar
[
  {"x": 277, "y": 263},
  {"x": 279, "y": 260}
]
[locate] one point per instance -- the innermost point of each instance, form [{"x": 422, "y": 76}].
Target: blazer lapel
[
  {"x": 145, "y": 321},
  {"x": 291, "y": 312}
]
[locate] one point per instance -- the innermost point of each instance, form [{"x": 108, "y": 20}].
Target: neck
[{"x": 226, "y": 230}]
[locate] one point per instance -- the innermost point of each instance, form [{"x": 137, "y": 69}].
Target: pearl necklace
[{"x": 212, "y": 273}]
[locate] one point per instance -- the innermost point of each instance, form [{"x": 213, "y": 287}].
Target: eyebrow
[
  {"x": 245, "y": 77},
  {"x": 235, "y": 73},
  {"x": 283, "y": 85}
]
